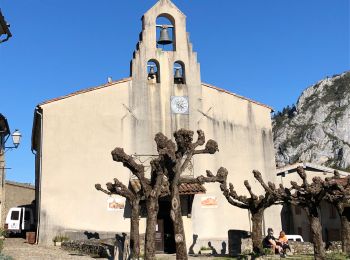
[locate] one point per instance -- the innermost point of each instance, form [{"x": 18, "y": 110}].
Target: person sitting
[
  {"x": 283, "y": 242},
  {"x": 270, "y": 242}
]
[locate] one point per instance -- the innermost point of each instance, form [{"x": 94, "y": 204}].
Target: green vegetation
[
  {"x": 337, "y": 256},
  {"x": 5, "y": 257},
  {"x": 337, "y": 91},
  {"x": 281, "y": 118},
  {"x": 2, "y": 256}
]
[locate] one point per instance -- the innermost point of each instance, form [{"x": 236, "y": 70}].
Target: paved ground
[{"x": 20, "y": 250}]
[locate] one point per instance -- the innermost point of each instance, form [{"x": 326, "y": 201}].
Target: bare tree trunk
[
  {"x": 134, "y": 229},
  {"x": 152, "y": 214},
  {"x": 176, "y": 216},
  {"x": 345, "y": 233},
  {"x": 316, "y": 235},
  {"x": 257, "y": 237}
]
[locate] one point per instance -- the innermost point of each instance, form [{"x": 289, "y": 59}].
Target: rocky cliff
[{"x": 317, "y": 128}]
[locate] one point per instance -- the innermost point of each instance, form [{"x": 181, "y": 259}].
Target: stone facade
[
  {"x": 294, "y": 219},
  {"x": 17, "y": 194},
  {"x": 74, "y": 135}
]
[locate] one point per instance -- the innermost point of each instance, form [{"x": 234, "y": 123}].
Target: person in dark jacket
[{"x": 270, "y": 242}]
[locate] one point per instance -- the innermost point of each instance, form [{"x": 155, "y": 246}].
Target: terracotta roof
[
  {"x": 191, "y": 188},
  {"x": 84, "y": 91},
  {"x": 236, "y": 95},
  {"x": 184, "y": 188},
  {"x": 342, "y": 181}
]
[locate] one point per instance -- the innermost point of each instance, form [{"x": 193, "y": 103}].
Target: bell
[
  {"x": 164, "y": 38},
  {"x": 178, "y": 77},
  {"x": 151, "y": 73}
]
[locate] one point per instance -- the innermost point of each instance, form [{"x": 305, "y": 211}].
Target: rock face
[{"x": 317, "y": 129}]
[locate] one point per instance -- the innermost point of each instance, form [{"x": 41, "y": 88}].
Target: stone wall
[
  {"x": 240, "y": 242},
  {"x": 17, "y": 194}
]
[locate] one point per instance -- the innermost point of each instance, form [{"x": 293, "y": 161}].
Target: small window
[
  {"x": 15, "y": 215},
  {"x": 298, "y": 239}
]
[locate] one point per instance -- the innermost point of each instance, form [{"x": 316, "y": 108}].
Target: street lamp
[
  {"x": 4, "y": 29},
  {"x": 16, "y": 138}
]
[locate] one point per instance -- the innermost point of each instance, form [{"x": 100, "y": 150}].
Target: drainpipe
[{"x": 38, "y": 203}]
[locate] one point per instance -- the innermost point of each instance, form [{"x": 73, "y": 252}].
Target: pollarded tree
[
  {"x": 309, "y": 197},
  {"x": 134, "y": 197},
  {"x": 338, "y": 194},
  {"x": 166, "y": 171},
  {"x": 255, "y": 204},
  {"x": 175, "y": 159},
  {"x": 151, "y": 189}
]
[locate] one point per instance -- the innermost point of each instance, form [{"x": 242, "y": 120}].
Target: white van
[
  {"x": 295, "y": 238},
  {"x": 19, "y": 220}
]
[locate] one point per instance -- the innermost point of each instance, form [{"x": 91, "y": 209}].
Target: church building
[{"x": 73, "y": 137}]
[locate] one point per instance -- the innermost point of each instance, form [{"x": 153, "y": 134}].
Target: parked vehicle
[
  {"x": 19, "y": 220},
  {"x": 298, "y": 238}
]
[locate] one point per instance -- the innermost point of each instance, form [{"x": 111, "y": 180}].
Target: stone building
[
  {"x": 294, "y": 219},
  {"x": 73, "y": 137},
  {"x": 18, "y": 194}
]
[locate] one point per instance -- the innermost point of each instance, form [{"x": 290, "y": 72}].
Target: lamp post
[{"x": 4, "y": 29}]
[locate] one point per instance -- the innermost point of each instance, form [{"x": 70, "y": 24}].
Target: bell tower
[{"x": 166, "y": 84}]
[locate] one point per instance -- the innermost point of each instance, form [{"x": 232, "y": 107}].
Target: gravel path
[{"x": 20, "y": 250}]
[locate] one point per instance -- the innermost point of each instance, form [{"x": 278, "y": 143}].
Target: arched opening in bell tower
[
  {"x": 165, "y": 32},
  {"x": 179, "y": 73},
  {"x": 153, "y": 71}
]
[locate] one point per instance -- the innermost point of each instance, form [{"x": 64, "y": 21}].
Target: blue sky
[{"x": 267, "y": 50}]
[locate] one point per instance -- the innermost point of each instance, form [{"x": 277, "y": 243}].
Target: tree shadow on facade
[
  {"x": 212, "y": 248},
  {"x": 194, "y": 241},
  {"x": 224, "y": 248}
]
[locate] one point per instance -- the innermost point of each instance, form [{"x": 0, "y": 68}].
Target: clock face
[{"x": 179, "y": 105}]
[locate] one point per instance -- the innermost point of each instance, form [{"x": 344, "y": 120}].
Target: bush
[
  {"x": 5, "y": 257},
  {"x": 268, "y": 251},
  {"x": 3, "y": 233},
  {"x": 1, "y": 245},
  {"x": 60, "y": 238}
]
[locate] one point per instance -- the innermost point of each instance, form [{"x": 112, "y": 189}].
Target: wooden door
[{"x": 160, "y": 235}]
